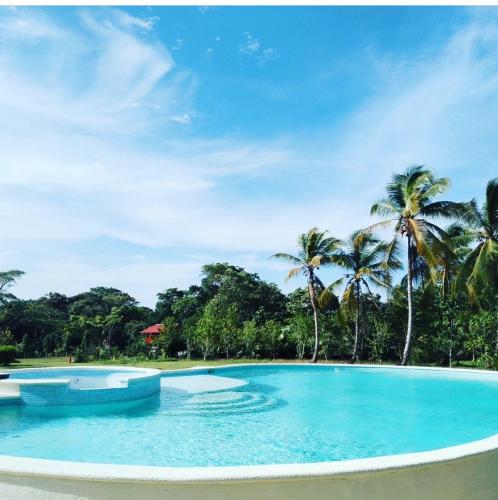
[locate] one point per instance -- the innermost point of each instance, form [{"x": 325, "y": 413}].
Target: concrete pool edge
[{"x": 21, "y": 466}]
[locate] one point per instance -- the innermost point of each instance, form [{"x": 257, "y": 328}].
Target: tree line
[{"x": 427, "y": 293}]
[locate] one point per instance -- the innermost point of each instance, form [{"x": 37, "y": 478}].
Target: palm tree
[
  {"x": 7, "y": 280},
  {"x": 453, "y": 248},
  {"x": 408, "y": 208},
  {"x": 368, "y": 262},
  {"x": 480, "y": 267},
  {"x": 315, "y": 249},
  {"x": 456, "y": 241}
]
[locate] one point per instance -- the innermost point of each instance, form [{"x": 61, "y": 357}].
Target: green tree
[
  {"x": 299, "y": 328},
  {"x": 253, "y": 297},
  {"x": 315, "y": 249},
  {"x": 483, "y": 339},
  {"x": 369, "y": 263},
  {"x": 410, "y": 210},
  {"x": 249, "y": 338},
  {"x": 272, "y": 337},
  {"x": 456, "y": 240},
  {"x": 187, "y": 312},
  {"x": 217, "y": 328},
  {"x": 165, "y": 302},
  {"x": 480, "y": 268}
]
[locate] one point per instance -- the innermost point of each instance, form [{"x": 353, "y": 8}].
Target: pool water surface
[{"x": 281, "y": 414}]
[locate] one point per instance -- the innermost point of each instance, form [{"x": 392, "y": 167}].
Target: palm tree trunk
[
  {"x": 356, "y": 325},
  {"x": 311, "y": 291},
  {"x": 409, "y": 290}
]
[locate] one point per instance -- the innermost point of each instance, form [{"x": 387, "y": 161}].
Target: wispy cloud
[
  {"x": 27, "y": 26},
  {"x": 126, "y": 20},
  {"x": 184, "y": 119},
  {"x": 178, "y": 44},
  {"x": 98, "y": 81},
  {"x": 437, "y": 109},
  {"x": 205, "y": 8},
  {"x": 253, "y": 48},
  {"x": 95, "y": 145}
]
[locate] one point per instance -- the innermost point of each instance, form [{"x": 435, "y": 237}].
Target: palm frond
[
  {"x": 491, "y": 206},
  {"x": 288, "y": 258},
  {"x": 384, "y": 208},
  {"x": 434, "y": 187},
  {"x": 444, "y": 209},
  {"x": 293, "y": 272},
  {"x": 379, "y": 225},
  {"x": 327, "y": 296}
]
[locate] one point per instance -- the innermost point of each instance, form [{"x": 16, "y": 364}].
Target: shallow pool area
[
  {"x": 263, "y": 415},
  {"x": 73, "y": 386}
]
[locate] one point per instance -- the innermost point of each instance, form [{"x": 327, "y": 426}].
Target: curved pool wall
[
  {"x": 78, "y": 386},
  {"x": 461, "y": 472}
]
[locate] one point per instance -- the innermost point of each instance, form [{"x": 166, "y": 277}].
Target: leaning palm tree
[
  {"x": 409, "y": 206},
  {"x": 480, "y": 267},
  {"x": 7, "y": 280},
  {"x": 315, "y": 249},
  {"x": 368, "y": 262}
]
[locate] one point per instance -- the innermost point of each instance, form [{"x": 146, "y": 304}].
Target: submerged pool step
[
  {"x": 7, "y": 397},
  {"x": 225, "y": 403}
]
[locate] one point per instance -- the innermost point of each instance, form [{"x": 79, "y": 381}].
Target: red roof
[{"x": 157, "y": 328}]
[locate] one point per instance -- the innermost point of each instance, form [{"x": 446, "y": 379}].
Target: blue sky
[{"x": 140, "y": 143}]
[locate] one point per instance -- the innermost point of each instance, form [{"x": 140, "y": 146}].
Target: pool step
[
  {"x": 9, "y": 397},
  {"x": 224, "y": 403}
]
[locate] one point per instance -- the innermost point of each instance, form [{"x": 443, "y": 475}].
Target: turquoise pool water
[{"x": 285, "y": 414}]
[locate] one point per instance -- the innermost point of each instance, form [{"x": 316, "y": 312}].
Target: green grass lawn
[
  {"x": 159, "y": 364},
  {"x": 170, "y": 365}
]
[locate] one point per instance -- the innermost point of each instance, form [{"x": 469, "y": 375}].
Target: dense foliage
[
  {"x": 442, "y": 311},
  {"x": 8, "y": 354}
]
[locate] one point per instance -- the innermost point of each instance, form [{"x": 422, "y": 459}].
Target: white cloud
[
  {"x": 27, "y": 25},
  {"x": 178, "y": 44},
  {"x": 253, "y": 48},
  {"x": 250, "y": 45},
  {"x": 101, "y": 157},
  {"x": 205, "y": 8},
  {"x": 184, "y": 119},
  {"x": 120, "y": 73},
  {"x": 127, "y": 20}
]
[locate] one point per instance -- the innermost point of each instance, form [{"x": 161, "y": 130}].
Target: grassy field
[
  {"x": 171, "y": 365},
  {"x": 160, "y": 365}
]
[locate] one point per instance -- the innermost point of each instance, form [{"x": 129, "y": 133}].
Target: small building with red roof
[{"x": 152, "y": 332}]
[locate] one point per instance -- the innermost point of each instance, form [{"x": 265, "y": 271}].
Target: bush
[
  {"x": 487, "y": 361},
  {"x": 8, "y": 354}
]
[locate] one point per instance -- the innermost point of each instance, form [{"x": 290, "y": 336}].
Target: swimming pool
[{"x": 268, "y": 416}]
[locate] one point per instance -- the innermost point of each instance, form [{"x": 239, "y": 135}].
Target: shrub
[{"x": 8, "y": 354}]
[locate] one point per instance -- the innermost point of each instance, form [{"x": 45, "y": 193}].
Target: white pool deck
[{"x": 464, "y": 472}]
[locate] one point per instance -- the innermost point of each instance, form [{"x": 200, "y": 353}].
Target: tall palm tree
[
  {"x": 7, "y": 280},
  {"x": 315, "y": 249},
  {"x": 409, "y": 206},
  {"x": 480, "y": 267},
  {"x": 368, "y": 262}
]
